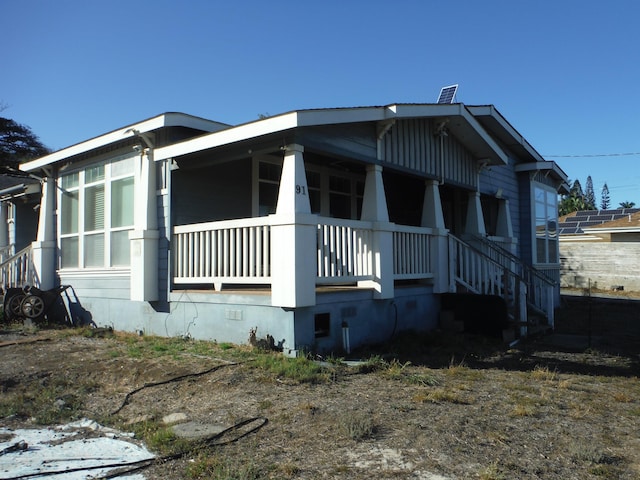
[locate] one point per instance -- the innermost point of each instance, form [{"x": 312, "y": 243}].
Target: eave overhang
[
  {"x": 548, "y": 167},
  {"x": 171, "y": 119},
  {"x": 459, "y": 121},
  {"x": 492, "y": 120}
]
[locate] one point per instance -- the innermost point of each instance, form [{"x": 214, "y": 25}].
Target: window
[
  {"x": 545, "y": 210},
  {"x": 331, "y": 192},
  {"x": 96, "y": 215},
  {"x": 269, "y": 181}
]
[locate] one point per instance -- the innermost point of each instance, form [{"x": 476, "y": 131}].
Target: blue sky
[{"x": 565, "y": 73}]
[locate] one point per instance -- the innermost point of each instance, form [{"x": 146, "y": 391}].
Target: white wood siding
[{"x": 412, "y": 144}]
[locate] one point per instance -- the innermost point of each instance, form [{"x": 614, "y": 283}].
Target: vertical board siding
[{"x": 412, "y": 144}]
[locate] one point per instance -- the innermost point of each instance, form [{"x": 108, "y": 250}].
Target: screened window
[
  {"x": 546, "y": 225},
  {"x": 96, "y": 215}
]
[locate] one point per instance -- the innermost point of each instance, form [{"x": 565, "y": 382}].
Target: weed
[
  {"x": 300, "y": 370},
  {"x": 492, "y": 472},
  {"x": 622, "y": 397},
  {"x": 358, "y": 426},
  {"x": 543, "y": 374},
  {"x": 523, "y": 411},
  {"x": 221, "y": 468},
  {"x": 588, "y": 453},
  {"x": 373, "y": 364},
  {"x": 159, "y": 438}
]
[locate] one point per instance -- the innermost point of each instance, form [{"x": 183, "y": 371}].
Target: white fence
[{"x": 239, "y": 252}]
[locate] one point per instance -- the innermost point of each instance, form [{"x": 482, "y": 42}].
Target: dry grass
[{"x": 500, "y": 414}]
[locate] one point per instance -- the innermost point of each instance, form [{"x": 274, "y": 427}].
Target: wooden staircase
[{"x": 483, "y": 267}]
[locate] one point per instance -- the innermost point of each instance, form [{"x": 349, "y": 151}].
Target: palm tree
[{"x": 627, "y": 204}]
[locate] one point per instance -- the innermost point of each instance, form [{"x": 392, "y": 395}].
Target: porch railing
[
  {"x": 239, "y": 252},
  {"x": 345, "y": 251},
  {"x": 540, "y": 287},
  {"x": 477, "y": 272},
  {"x": 18, "y": 270},
  {"x": 412, "y": 252},
  {"x": 233, "y": 251}
]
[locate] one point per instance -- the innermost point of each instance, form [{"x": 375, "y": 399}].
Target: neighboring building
[
  {"x": 19, "y": 202},
  {"x": 601, "y": 249},
  {"x": 324, "y": 228}
]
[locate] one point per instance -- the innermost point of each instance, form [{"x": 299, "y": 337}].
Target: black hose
[{"x": 174, "y": 379}]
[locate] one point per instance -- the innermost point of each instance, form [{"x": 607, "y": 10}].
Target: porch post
[
  {"x": 374, "y": 209},
  {"x": 504, "y": 228},
  {"x": 4, "y": 229},
  {"x": 293, "y": 237},
  {"x": 43, "y": 249},
  {"x": 433, "y": 217},
  {"x": 475, "y": 220},
  {"x": 432, "y": 206},
  {"x": 144, "y": 237}
]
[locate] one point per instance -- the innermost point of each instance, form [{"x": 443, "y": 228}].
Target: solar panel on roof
[{"x": 447, "y": 94}]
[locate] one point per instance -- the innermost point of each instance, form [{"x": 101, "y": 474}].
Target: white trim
[
  {"x": 94, "y": 272},
  {"x": 164, "y": 120},
  {"x": 596, "y": 230}
]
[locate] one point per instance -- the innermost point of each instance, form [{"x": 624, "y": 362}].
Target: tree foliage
[
  {"x": 18, "y": 144},
  {"x": 575, "y": 200},
  {"x": 605, "y": 200},
  {"x": 627, "y": 204},
  {"x": 589, "y": 195}
]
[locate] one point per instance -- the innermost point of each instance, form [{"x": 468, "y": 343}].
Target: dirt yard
[{"x": 423, "y": 407}]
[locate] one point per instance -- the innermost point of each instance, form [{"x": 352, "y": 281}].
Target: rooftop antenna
[{"x": 447, "y": 94}]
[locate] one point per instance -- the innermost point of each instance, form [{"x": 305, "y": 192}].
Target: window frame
[
  {"x": 544, "y": 214},
  {"x": 114, "y": 170}
]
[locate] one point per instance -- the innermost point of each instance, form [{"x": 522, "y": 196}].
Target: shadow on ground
[{"x": 592, "y": 336}]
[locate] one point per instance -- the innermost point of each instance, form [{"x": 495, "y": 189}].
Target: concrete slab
[{"x": 197, "y": 430}]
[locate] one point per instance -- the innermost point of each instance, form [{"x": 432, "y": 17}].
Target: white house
[{"x": 325, "y": 229}]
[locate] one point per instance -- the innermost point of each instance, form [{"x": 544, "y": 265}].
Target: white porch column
[
  {"x": 433, "y": 217},
  {"x": 374, "y": 209},
  {"x": 43, "y": 250},
  {"x": 4, "y": 227},
  {"x": 432, "y": 206},
  {"x": 293, "y": 237},
  {"x": 475, "y": 220},
  {"x": 144, "y": 238},
  {"x": 503, "y": 227}
]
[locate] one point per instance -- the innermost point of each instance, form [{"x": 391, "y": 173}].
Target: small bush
[{"x": 358, "y": 426}]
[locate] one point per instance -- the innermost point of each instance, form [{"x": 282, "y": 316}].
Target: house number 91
[{"x": 301, "y": 190}]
